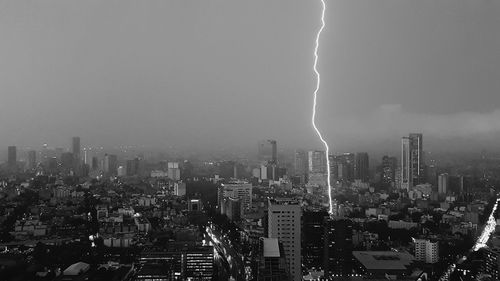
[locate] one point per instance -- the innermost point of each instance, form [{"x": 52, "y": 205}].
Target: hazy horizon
[{"x": 219, "y": 74}]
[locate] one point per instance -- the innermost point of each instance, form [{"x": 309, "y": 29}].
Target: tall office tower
[
  {"x": 76, "y": 150},
  {"x": 236, "y": 189},
  {"x": 389, "y": 166},
  {"x": 284, "y": 223},
  {"x": 361, "y": 167},
  {"x": 312, "y": 238},
  {"x": 12, "y": 157},
  {"x": 110, "y": 164},
  {"x": 300, "y": 162},
  {"x": 338, "y": 247},
  {"x": 31, "y": 159},
  {"x": 443, "y": 182},
  {"x": 316, "y": 162},
  {"x": 268, "y": 151},
  {"x": 426, "y": 250},
  {"x": 345, "y": 164},
  {"x": 272, "y": 263},
  {"x": 405, "y": 163},
  {"x": 417, "y": 164}
]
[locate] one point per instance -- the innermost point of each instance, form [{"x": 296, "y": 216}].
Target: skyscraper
[
  {"x": 12, "y": 157},
  {"x": 417, "y": 159},
  {"x": 300, "y": 162},
  {"x": 110, "y": 164},
  {"x": 405, "y": 163},
  {"x": 338, "y": 258},
  {"x": 361, "y": 167},
  {"x": 76, "y": 148},
  {"x": 268, "y": 151},
  {"x": 412, "y": 161},
  {"x": 284, "y": 223},
  {"x": 316, "y": 162},
  {"x": 312, "y": 238}
]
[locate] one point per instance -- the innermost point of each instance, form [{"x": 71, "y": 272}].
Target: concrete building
[
  {"x": 239, "y": 190},
  {"x": 361, "y": 167},
  {"x": 284, "y": 223},
  {"x": 412, "y": 161},
  {"x": 272, "y": 263},
  {"x": 426, "y": 251},
  {"x": 174, "y": 172}
]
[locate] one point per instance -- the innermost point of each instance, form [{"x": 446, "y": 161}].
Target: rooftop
[{"x": 380, "y": 260}]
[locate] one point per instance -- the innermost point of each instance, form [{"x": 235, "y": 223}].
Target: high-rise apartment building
[
  {"x": 300, "y": 163},
  {"x": 361, "y": 167},
  {"x": 284, "y": 223},
  {"x": 405, "y": 163},
  {"x": 426, "y": 250},
  {"x": 316, "y": 162},
  {"x": 417, "y": 164}
]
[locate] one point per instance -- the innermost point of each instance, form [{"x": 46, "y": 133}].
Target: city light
[{"x": 318, "y": 82}]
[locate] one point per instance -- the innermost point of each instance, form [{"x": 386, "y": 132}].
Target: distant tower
[
  {"x": 412, "y": 161},
  {"x": 405, "y": 163},
  {"x": 110, "y": 164},
  {"x": 268, "y": 151},
  {"x": 417, "y": 159},
  {"x": 12, "y": 157},
  {"x": 316, "y": 161},
  {"x": 361, "y": 167},
  {"x": 76, "y": 151},
  {"x": 443, "y": 182},
  {"x": 76, "y": 148}
]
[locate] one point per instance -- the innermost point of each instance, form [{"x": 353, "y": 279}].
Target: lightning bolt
[{"x": 318, "y": 82}]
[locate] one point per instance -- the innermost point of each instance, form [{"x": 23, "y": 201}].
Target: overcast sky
[{"x": 224, "y": 72}]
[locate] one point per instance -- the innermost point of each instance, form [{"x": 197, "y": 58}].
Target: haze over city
[{"x": 214, "y": 74}]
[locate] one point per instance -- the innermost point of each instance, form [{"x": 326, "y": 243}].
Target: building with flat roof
[
  {"x": 272, "y": 263},
  {"x": 383, "y": 263}
]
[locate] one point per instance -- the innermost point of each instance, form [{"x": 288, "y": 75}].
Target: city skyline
[{"x": 136, "y": 92}]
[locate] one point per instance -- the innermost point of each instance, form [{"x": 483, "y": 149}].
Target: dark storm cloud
[{"x": 221, "y": 72}]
